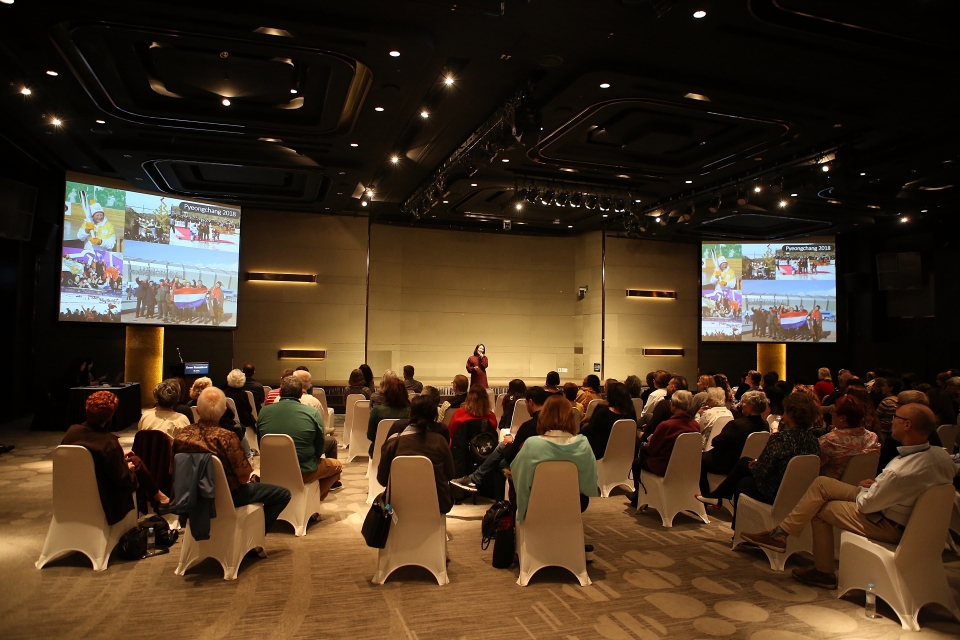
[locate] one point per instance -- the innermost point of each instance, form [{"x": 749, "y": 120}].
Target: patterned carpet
[{"x": 649, "y": 583}]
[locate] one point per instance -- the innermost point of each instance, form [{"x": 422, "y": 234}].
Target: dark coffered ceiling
[{"x": 762, "y": 119}]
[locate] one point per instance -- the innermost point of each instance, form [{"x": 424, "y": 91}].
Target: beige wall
[
  {"x": 635, "y": 323},
  {"x": 587, "y": 319},
  {"x": 329, "y": 315},
  {"x": 435, "y": 294}
]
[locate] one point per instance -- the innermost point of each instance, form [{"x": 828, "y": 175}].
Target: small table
[{"x": 128, "y": 410}]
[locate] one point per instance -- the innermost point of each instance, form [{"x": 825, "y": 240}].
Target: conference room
[{"x": 623, "y": 318}]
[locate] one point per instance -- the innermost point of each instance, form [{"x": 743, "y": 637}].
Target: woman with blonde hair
[
  {"x": 824, "y": 384},
  {"x": 378, "y": 396},
  {"x": 197, "y": 388},
  {"x": 475, "y": 407},
  {"x": 556, "y": 439}
]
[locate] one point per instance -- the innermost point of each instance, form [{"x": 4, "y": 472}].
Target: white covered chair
[
  {"x": 419, "y": 536},
  {"x": 279, "y": 465},
  {"x": 359, "y": 445},
  {"x": 592, "y": 406},
  {"x": 676, "y": 491},
  {"x": 348, "y": 408},
  {"x": 860, "y": 467},
  {"x": 233, "y": 407},
  {"x": 374, "y": 488},
  {"x": 714, "y": 432},
  {"x": 637, "y": 405},
  {"x": 754, "y": 516},
  {"x": 752, "y": 448},
  {"x": 498, "y": 406},
  {"x": 493, "y": 399},
  {"x": 552, "y": 533},
  {"x": 448, "y": 414},
  {"x": 948, "y": 436},
  {"x": 79, "y": 523},
  {"x": 325, "y": 411},
  {"x": 196, "y": 415},
  {"x": 253, "y": 404},
  {"x": 233, "y": 533},
  {"x": 613, "y": 469},
  {"x": 520, "y": 415},
  {"x": 909, "y": 575}
]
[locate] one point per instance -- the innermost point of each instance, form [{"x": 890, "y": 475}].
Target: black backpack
[
  {"x": 499, "y": 525},
  {"x": 165, "y": 536}
]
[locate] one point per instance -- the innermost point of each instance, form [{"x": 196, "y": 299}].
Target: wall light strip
[
  {"x": 281, "y": 277},
  {"x": 301, "y": 354},
  {"x": 663, "y": 352},
  {"x": 646, "y": 293}
]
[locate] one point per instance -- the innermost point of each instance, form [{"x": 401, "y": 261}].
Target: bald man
[{"x": 877, "y": 509}]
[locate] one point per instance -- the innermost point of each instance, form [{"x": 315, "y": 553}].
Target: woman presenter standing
[{"x": 477, "y": 366}]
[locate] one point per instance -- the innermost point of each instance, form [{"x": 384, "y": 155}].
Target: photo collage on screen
[
  {"x": 769, "y": 292},
  {"x": 131, "y": 257}
]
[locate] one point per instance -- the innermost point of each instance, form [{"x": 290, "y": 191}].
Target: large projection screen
[
  {"x": 138, "y": 258},
  {"x": 769, "y": 292}
]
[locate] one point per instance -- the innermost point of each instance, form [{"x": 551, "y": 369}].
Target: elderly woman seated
[
  {"x": 164, "y": 416},
  {"x": 118, "y": 474},
  {"x": 556, "y": 439},
  {"x": 235, "y": 391},
  {"x": 714, "y": 412},
  {"x": 728, "y": 444},
  {"x": 847, "y": 439},
  {"x": 655, "y": 452},
  {"x": 227, "y": 420}
]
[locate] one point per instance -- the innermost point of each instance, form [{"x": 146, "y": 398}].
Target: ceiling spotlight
[
  {"x": 25, "y": 91},
  {"x": 562, "y": 198},
  {"x": 547, "y": 197},
  {"x": 424, "y": 114},
  {"x": 56, "y": 122},
  {"x": 363, "y": 204},
  {"x": 532, "y": 194},
  {"x": 293, "y": 90},
  {"x": 394, "y": 159},
  {"x": 518, "y": 206},
  {"x": 370, "y": 192},
  {"x": 394, "y": 54},
  {"x": 576, "y": 200},
  {"x": 904, "y": 219},
  {"x": 756, "y": 189},
  {"x": 699, "y": 14},
  {"x": 697, "y": 96},
  {"x": 783, "y": 203},
  {"x": 225, "y": 102},
  {"x": 826, "y": 168},
  {"x": 793, "y": 195},
  {"x": 923, "y": 210},
  {"x": 569, "y": 226},
  {"x": 657, "y": 219},
  {"x": 604, "y": 85},
  {"x": 863, "y": 173},
  {"x": 473, "y": 184},
  {"x": 354, "y": 144},
  {"x": 52, "y": 73},
  {"x": 448, "y": 80},
  {"x": 378, "y": 108},
  {"x": 689, "y": 181},
  {"x": 505, "y": 160},
  {"x": 567, "y": 169},
  {"x": 714, "y": 205},
  {"x": 741, "y": 198},
  {"x": 101, "y": 122},
  {"x": 604, "y": 215},
  {"x": 605, "y": 203},
  {"x": 590, "y": 202}
]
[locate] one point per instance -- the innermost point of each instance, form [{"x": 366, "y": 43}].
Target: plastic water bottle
[
  {"x": 151, "y": 540},
  {"x": 870, "y": 609}
]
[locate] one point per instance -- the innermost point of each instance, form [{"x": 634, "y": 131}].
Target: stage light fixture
[
  {"x": 548, "y": 197},
  {"x": 783, "y": 203},
  {"x": 473, "y": 184},
  {"x": 293, "y": 91},
  {"x": 576, "y": 200},
  {"x": 715, "y": 205},
  {"x": 605, "y": 203},
  {"x": 657, "y": 219},
  {"x": 505, "y": 160},
  {"x": 863, "y": 173},
  {"x": 472, "y": 170},
  {"x": 619, "y": 206},
  {"x": 56, "y": 122},
  {"x": 25, "y": 91},
  {"x": 531, "y": 195},
  {"x": 904, "y": 219},
  {"x": 756, "y": 189},
  {"x": 394, "y": 159},
  {"x": 793, "y": 195},
  {"x": 741, "y": 198},
  {"x": 604, "y": 85},
  {"x": 363, "y": 203},
  {"x": 354, "y": 144},
  {"x": 448, "y": 80},
  {"x": 225, "y": 102},
  {"x": 689, "y": 181},
  {"x": 562, "y": 198},
  {"x": 424, "y": 114},
  {"x": 590, "y": 202}
]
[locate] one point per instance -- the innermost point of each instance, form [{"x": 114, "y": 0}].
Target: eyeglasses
[{"x": 896, "y": 415}]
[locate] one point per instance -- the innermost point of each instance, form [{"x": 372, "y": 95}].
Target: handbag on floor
[
  {"x": 376, "y": 526},
  {"x": 499, "y": 525}
]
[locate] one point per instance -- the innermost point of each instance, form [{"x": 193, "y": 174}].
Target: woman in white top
[
  {"x": 163, "y": 417},
  {"x": 714, "y": 412}
]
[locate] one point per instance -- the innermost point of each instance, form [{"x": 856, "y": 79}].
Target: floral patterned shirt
[
  {"x": 782, "y": 446},
  {"x": 838, "y": 446},
  {"x": 212, "y": 438}
]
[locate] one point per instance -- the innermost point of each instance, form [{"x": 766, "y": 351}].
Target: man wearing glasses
[{"x": 877, "y": 509}]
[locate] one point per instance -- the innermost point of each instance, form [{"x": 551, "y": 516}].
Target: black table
[{"x": 128, "y": 410}]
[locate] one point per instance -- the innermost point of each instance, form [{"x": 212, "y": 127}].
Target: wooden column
[
  {"x": 772, "y": 356},
  {"x": 143, "y": 360}
]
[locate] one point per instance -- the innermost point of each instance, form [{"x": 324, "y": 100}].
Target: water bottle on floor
[{"x": 870, "y": 609}]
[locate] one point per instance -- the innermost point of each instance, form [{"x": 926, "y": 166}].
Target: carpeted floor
[{"x": 649, "y": 582}]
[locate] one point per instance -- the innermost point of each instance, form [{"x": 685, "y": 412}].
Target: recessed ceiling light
[
  {"x": 568, "y": 170},
  {"x": 52, "y": 73},
  {"x": 783, "y": 203},
  {"x": 343, "y": 173},
  {"x": 904, "y": 219},
  {"x": 826, "y": 168},
  {"x": 225, "y": 102},
  {"x": 424, "y": 114},
  {"x": 378, "y": 108},
  {"x": 756, "y": 189},
  {"x": 271, "y": 31},
  {"x": 127, "y": 155},
  {"x": 873, "y": 206},
  {"x": 689, "y": 181},
  {"x": 505, "y": 160},
  {"x": 604, "y": 85},
  {"x": 448, "y": 80},
  {"x": 473, "y": 184},
  {"x": 697, "y": 96},
  {"x": 394, "y": 159},
  {"x": 363, "y": 204},
  {"x": 446, "y": 202},
  {"x": 604, "y": 215},
  {"x": 923, "y": 210},
  {"x": 863, "y": 173},
  {"x": 699, "y": 14},
  {"x": 269, "y": 139},
  {"x": 622, "y": 175},
  {"x": 793, "y": 195},
  {"x": 293, "y": 90},
  {"x": 569, "y": 226},
  {"x": 394, "y": 54},
  {"x": 354, "y": 144},
  {"x": 7, "y": 1},
  {"x": 25, "y": 91},
  {"x": 101, "y": 122},
  {"x": 56, "y": 122}
]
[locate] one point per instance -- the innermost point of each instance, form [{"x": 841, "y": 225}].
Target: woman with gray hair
[
  {"x": 234, "y": 390},
  {"x": 655, "y": 452},
  {"x": 164, "y": 417},
  {"x": 714, "y": 412},
  {"x": 726, "y": 447}
]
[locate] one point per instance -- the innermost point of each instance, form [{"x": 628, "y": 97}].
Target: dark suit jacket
[
  {"x": 244, "y": 414},
  {"x": 527, "y": 430},
  {"x": 116, "y": 482},
  {"x": 256, "y": 389},
  {"x": 728, "y": 444}
]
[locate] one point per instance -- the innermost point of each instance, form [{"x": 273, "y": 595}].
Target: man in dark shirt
[
  {"x": 728, "y": 444},
  {"x": 663, "y": 411},
  {"x": 553, "y": 384},
  {"x": 507, "y": 450},
  {"x": 413, "y": 386},
  {"x": 460, "y": 384},
  {"x": 252, "y": 385}
]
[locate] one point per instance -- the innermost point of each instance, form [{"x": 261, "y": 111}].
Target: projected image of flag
[{"x": 189, "y": 297}]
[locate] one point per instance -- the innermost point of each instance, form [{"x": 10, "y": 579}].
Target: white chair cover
[
  {"x": 448, "y": 414},
  {"x": 374, "y": 488},
  {"x": 954, "y": 525},
  {"x": 253, "y": 404},
  {"x": 520, "y": 415},
  {"x": 613, "y": 469},
  {"x": 419, "y": 536},
  {"x": 498, "y": 406},
  {"x": 325, "y": 411},
  {"x": 493, "y": 399},
  {"x": 279, "y": 465},
  {"x": 637, "y": 406},
  {"x": 948, "y": 436},
  {"x": 79, "y": 523},
  {"x": 676, "y": 491},
  {"x": 196, "y": 415},
  {"x": 909, "y": 575},
  {"x": 266, "y": 390},
  {"x": 233, "y": 533},
  {"x": 321, "y": 395},
  {"x": 359, "y": 445},
  {"x": 349, "y": 406},
  {"x": 860, "y": 467},
  {"x": 233, "y": 407},
  {"x": 754, "y": 516},
  {"x": 752, "y": 448},
  {"x": 592, "y": 406},
  {"x": 576, "y": 418},
  {"x": 552, "y": 533},
  {"x": 714, "y": 432}
]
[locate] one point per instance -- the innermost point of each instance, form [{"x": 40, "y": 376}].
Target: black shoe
[
  {"x": 336, "y": 485},
  {"x": 464, "y": 483},
  {"x": 633, "y": 496},
  {"x": 6, "y": 448}
]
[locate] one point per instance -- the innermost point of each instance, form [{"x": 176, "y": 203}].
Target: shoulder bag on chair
[{"x": 376, "y": 526}]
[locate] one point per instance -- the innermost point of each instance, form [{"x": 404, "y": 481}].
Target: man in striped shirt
[{"x": 274, "y": 394}]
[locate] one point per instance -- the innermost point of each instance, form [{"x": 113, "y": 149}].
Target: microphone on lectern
[{"x": 179, "y": 355}]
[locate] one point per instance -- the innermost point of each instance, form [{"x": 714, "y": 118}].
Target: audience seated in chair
[
  {"x": 207, "y": 436},
  {"x": 713, "y": 412},
  {"x": 356, "y": 385},
  {"x": 728, "y": 444},
  {"x": 760, "y": 479},
  {"x": 475, "y": 407},
  {"x": 552, "y": 385},
  {"x": 847, "y": 439},
  {"x": 234, "y": 390},
  {"x": 664, "y": 410},
  {"x": 304, "y": 424},
  {"x": 660, "y": 381},
  {"x": 877, "y": 509},
  {"x": 460, "y": 384},
  {"x": 420, "y": 436},
  {"x": 379, "y": 396},
  {"x": 395, "y": 405},
  {"x": 619, "y": 406},
  {"x": 570, "y": 391},
  {"x": 118, "y": 475},
  {"x": 590, "y": 390},
  {"x": 890, "y": 447},
  {"x": 555, "y": 439},
  {"x": 515, "y": 393},
  {"x": 252, "y": 385},
  {"x": 274, "y": 394},
  {"x": 164, "y": 416},
  {"x": 412, "y": 385},
  {"x": 655, "y": 452}
]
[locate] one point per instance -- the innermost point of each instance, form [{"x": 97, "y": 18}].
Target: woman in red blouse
[
  {"x": 477, "y": 367},
  {"x": 476, "y": 406},
  {"x": 824, "y": 386}
]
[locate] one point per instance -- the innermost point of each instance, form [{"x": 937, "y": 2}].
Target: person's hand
[
  {"x": 865, "y": 483},
  {"x": 95, "y": 240},
  {"x": 89, "y": 226},
  {"x": 130, "y": 465},
  {"x": 507, "y": 439}
]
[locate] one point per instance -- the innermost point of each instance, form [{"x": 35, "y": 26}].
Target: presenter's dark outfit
[{"x": 477, "y": 368}]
